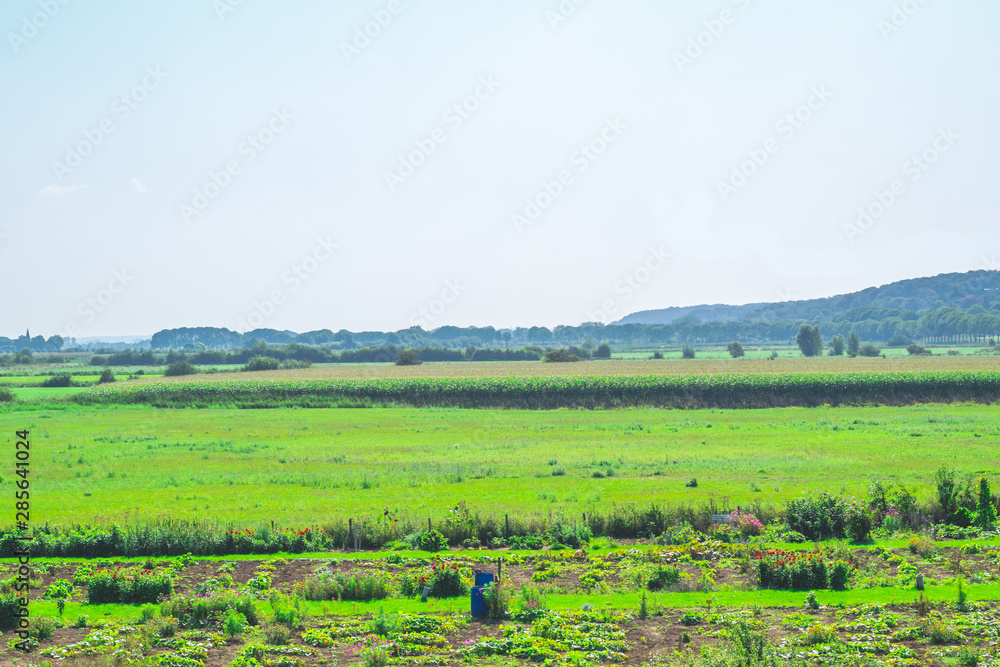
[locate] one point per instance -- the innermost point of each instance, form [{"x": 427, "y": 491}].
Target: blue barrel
[
  {"x": 478, "y": 602},
  {"x": 483, "y": 578}
]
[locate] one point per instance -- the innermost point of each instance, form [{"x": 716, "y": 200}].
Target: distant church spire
[{"x": 28, "y": 333}]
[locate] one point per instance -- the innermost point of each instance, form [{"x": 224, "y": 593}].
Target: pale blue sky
[{"x": 672, "y": 132}]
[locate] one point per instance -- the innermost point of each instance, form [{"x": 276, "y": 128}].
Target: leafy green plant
[
  {"x": 664, "y": 577},
  {"x": 382, "y": 624},
  {"x": 431, "y": 540},
  {"x": 234, "y": 624},
  {"x": 691, "y": 618}
]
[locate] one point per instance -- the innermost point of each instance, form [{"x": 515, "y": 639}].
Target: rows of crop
[{"x": 718, "y": 391}]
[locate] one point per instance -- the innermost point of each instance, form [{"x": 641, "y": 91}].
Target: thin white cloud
[
  {"x": 58, "y": 191},
  {"x": 138, "y": 187}
]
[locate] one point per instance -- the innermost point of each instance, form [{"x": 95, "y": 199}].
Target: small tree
[
  {"x": 735, "y": 349},
  {"x": 837, "y": 346},
  {"x": 687, "y": 352},
  {"x": 107, "y": 375},
  {"x": 261, "y": 363},
  {"x": 408, "y": 358},
  {"x": 853, "y": 344},
  {"x": 603, "y": 351},
  {"x": 869, "y": 351},
  {"x": 810, "y": 340}
]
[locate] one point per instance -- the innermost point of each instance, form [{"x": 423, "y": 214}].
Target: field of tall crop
[
  {"x": 630, "y": 367},
  {"x": 743, "y": 391}
]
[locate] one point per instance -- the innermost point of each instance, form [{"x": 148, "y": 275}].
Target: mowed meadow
[{"x": 302, "y": 467}]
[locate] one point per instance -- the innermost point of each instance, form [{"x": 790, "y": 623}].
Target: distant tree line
[
  {"x": 891, "y": 326},
  {"x": 309, "y": 354}
]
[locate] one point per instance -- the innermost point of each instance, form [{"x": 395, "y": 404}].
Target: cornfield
[{"x": 542, "y": 393}]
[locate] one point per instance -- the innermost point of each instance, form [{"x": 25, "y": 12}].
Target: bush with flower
[{"x": 800, "y": 570}]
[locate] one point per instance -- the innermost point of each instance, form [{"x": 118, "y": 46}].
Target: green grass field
[{"x": 305, "y": 466}]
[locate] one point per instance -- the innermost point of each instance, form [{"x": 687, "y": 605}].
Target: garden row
[
  {"x": 725, "y": 391},
  {"x": 270, "y": 612}
]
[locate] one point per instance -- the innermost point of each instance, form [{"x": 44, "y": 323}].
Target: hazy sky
[{"x": 375, "y": 165}]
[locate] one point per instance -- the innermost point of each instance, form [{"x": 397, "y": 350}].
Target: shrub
[
  {"x": 446, "y": 582},
  {"x": 859, "y": 522},
  {"x": 664, "y": 577},
  {"x": 60, "y": 380},
  {"x": 657, "y": 355},
  {"x": 735, "y": 349},
  {"x": 431, "y": 540},
  {"x": 560, "y": 356},
  {"x": 354, "y": 585},
  {"x": 603, "y": 351},
  {"x": 563, "y": 535},
  {"x": 800, "y": 571},
  {"x": 869, "y": 350},
  {"x": 262, "y": 363},
  {"x": 817, "y": 517},
  {"x": 687, "y": 352},
  {"x": 408, "y": 358},
  {"x": 840, "y": 573},
  {"x": 746, "y": 524},
  {"x": 128, "y": 587},
  {"x": 107, "y": 376},
  {"x": 179, "y": 368},
  {"x": 199, "y": 612},
  {"x": 6, "y": 395}
]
